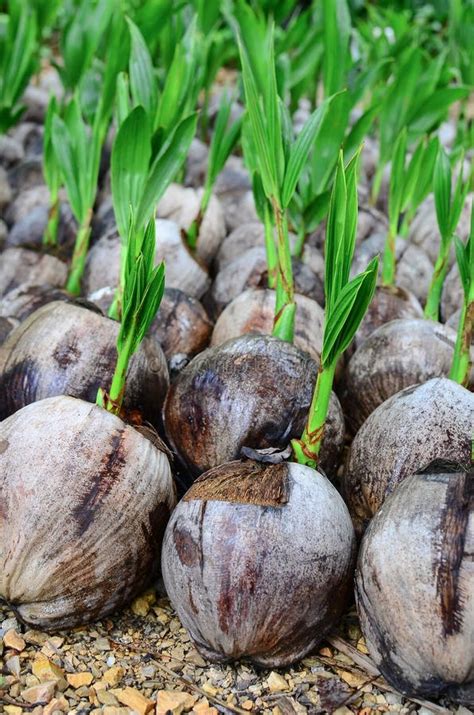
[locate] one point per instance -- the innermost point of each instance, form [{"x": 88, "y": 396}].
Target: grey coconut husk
[
  {"x": 181, "y": 205},
  {"x": 63, "y": 348},
  {"x": 415, "y": 587},
  {"x": 388, "y": 303},
  {"x": 234, "y": 190},
  {"x": 266, "y": 594},
  {"x": 5, "y": 190},
  {"x": 424, "y": 231},
  {"x": 403, "y": 435},
  {"x": 414, "y": 269},
  {"x": 6, "y": 326},
  {"x": 252, "y": 391},
  {"x": 74, "y": 546},
  {"x": 249, "y": 270},
  {"x": 398, "y": 354},
  {"x": 11, "y": 151},
  {"x": 182, "y": 328},
  {"x": 182, "y": 269},
  {"x": 196, "y": 163},
  {"x": 253, "y": 311},
  {"x": 20, "y": 302},
  {"x": 20, "y": 266}
]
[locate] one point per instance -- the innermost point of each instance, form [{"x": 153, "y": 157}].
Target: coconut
[
  {"x": 64, "y": 348},
  {"x": 396, "y": 355},
  {"x": 74, "y": 544},
  {"x": 182, "y": 270},
  {"x": 257, "y": 561},
  {"x": 415, "y": 586},
  {"x": 405, "y": 434},
  {"x": 253, "y": 311},
  {"x": 182, "y": 205},
  {"x": 20, "y": 266},
  {"x": 252, "y": 391}
]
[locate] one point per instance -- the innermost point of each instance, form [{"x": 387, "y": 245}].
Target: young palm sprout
[
  {"x": 143, "y": 291},
  {"x": 423, "y": 159},
  {"x": 165, "y": 131},
  {"x": 279, "y": 160},
  {"x": 448, "y": 212},
  {"x": 52, "y": 176},
  {"x": 139, "y": 180},
  {"x": 77, "y": 147},
  {"x": 223, "y": 141},
  {"x": 462, "y": 354},
  {"x": 404, "y": 192},
  {"x": 18, "y": 48},
  {"x": 346, "y": 303}
]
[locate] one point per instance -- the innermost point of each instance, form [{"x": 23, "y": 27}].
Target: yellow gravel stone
[
  {"x": 174, "y": 702},
  {"x": 276, "y": 682},
  {"x": 78, "y": 680},
  {"x": 12, "y": 639},
  {"x": 134, "y": 700},
  {"x": 46, "y": 670},
  {"x": 113, "y": 675}
]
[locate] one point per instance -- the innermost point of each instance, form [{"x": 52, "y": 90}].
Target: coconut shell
[
  {"x": 182, "y": 270},
  {"x": 396, "y": 355},
  {"x": 415, "y": 587},
  {"x": 424, "y": 231},
  {"x": 266, "y": 594},
  {"x": 253, "y": 311},
  {"x": 66, "y": 349},
  {"x": 182, "y": 327},
  {"x": 20, "y": 266},
  {"x": 249, "y": 270},
  {"x": 388, "y": 303},
  {"x": 182, "y": 205},
  {"x": 252, "y": 391},
  {"x": 405, "y": 434},
  {"x": 20, "y": 302},
  {"x": 74, "y": 545}
]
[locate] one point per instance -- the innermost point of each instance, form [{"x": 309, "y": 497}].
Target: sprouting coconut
[{"x": 85, "y": 496}]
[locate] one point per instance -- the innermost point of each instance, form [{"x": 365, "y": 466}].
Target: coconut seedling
[
  {"x": 254, "y": 390},
  {"x": 166, "y": 128},
  {"x": 278, "y": 159},
  {"x": 52, "y": 176},
  {"x": 460, "y": 369},
  {"x": 223, "y": 141},
  {"x": 72, "y": 555},
  {"x": 345, "y": 305},
  {"x": 18, "y": 57},
  {"x": 415, "y": 562},
  {"x": 449, "y": 205},
  {"x": 221, "y": 586}
]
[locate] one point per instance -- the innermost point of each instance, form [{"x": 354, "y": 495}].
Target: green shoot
[
  {"x": 223, "y": 141},
  {"x": 404, "y": 191},
  {"x": 139, "y": 180},
  {"x": 460, "y": 369},
  {"x": 18, "y": 55},
  {"x": 346, "y": 303},
  {"x": 337, "y": 32},
  {"x": 422, "y": 167},
  {"x": 77, "y": 148},
  {"x": 280, "y": 161},
  {"x": 143, "y": 290},
  {"x": 52, "y": 176},
  {"x": 80, "y": 39},
  {"x": 448, "y": 211}
]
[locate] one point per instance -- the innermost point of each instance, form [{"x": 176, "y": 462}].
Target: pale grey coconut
[
  {"x": 398, "y": 354},
  {"x": 85, "y": 500},
  {"x": 20, "y": 266},
  {"x": 414, "y": 269},
  {"x": 63, "y": 348},
  {"x": 403, "y": 435},
  {"x": 251, "y": 391},
  {"x": 182, "y": 205},
  {"x": 424, "y": 231},
  {"x": 253, "y": 311},
  {"x": 266, "y": 594},
  {"x": 250, "y": 270},
  {"x": 415, "y": 586},
  {"x": 183, "y": 271}
]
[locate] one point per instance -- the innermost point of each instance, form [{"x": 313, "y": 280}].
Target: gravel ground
[{"x": 142, "y": 661}]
